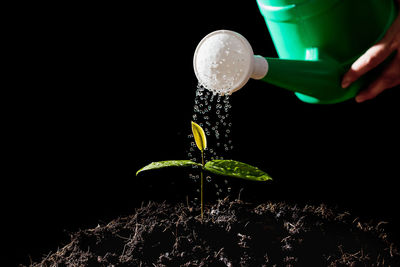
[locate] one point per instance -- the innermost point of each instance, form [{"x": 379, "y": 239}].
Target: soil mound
[{"x": 232, "y": 233}]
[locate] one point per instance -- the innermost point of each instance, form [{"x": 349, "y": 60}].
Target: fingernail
[
  {"x": 345, "y": 83},
  {"x": 360, "y": 99}
]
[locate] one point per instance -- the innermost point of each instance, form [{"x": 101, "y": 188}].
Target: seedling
[{"x": 230, "y": 168}]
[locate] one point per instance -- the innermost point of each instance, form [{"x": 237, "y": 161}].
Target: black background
[{"x": 101, "y": 90}]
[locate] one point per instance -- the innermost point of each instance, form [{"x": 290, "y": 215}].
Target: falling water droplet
[{"x": 211, "y": 110}]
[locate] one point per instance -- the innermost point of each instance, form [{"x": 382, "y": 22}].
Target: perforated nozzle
[{"x": 224, "y": 61}]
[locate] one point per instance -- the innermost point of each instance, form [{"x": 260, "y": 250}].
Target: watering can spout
[
  {"x": 313, "y": 81},
  {"x": 224, "y": 62}
]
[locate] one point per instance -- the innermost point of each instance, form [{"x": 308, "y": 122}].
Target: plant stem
[{"x": 201, "y": 184}]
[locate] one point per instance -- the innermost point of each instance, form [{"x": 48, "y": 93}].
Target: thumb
[{"x": 369, "y": 60}]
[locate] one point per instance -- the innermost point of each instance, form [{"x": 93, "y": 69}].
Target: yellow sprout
[{"x": 199, "y": 136}]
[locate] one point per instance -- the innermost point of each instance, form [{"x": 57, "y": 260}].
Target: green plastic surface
[{"x": 318, "y": 40}]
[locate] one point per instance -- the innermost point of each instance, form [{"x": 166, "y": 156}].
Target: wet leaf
[
  {"x": 168, "y": 163},
  {"x": 236, "y": 169},
  {"x": 199, "y": 136}
]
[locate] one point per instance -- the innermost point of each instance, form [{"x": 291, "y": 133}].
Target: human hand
[{"x": 390, "y": 75}]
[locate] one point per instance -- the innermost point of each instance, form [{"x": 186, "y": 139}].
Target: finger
[
  {"x": 389, "y": 78},
  {"x": 375, "y": 55},
  {"x": 371, "y": 92},
  {"x": 369, "y": 60}
]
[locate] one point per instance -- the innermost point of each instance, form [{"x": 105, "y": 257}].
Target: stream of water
[{"x": 212, "y": 112}]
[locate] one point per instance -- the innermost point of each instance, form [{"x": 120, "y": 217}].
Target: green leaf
[
  {"x": 168, "y": 163},
  {"x": 199, "y": 136},
  {"x": 236, "y": 169}
]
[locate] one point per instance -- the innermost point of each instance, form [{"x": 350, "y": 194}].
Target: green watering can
[{"x": 316, "y": 40}]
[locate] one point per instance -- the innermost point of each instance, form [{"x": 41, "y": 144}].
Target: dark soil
[{"x": 231, "y": 234}]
